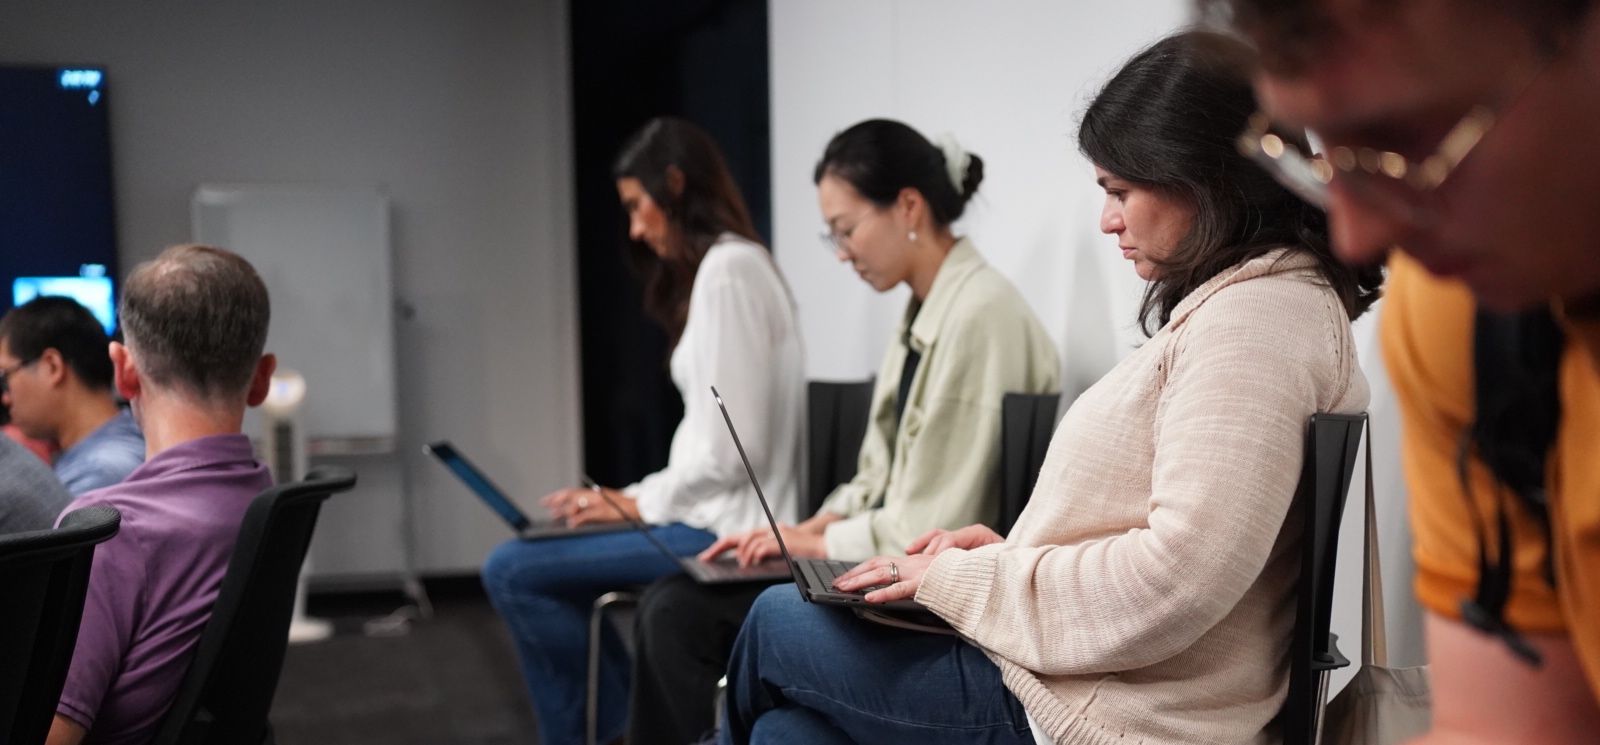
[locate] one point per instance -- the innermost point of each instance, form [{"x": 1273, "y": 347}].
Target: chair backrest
[
  {"x": 44, "y": 575},
  {"x": 227, "y": 692},
  {"x": 836, "y": 416},
  {"x": 1332, "y": 442},
  {"x": 1027, "y": 420}
]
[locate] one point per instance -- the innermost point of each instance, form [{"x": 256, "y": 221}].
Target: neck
[
  {"x": 86, "y": 412},
  {"x": 170, "y": 419},
  {"x": 926, "y": 265}
]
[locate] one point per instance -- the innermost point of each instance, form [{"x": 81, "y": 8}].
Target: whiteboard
[{"x": 324, "y": 255}]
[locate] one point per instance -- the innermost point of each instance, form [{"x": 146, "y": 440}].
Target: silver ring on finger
[
  {"x": 583, "y": 503},
  {"x": 894, "y": 573}
]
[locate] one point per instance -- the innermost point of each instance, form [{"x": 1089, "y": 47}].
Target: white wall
[
  {"x": 459, "y": 111},
  {"x": 1009, "y": 79}
]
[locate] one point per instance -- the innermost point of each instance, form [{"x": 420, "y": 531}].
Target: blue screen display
[
  {"x": 57, "y": 221},
  {"x": 93, "y": 293}
]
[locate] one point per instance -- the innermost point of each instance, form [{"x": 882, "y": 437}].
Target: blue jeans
[
  {"x": 545, "y": 590},
  {"x": 803, "y": 673}
]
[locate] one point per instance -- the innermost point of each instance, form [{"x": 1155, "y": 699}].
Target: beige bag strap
[{"x": 1374, "y": 644}]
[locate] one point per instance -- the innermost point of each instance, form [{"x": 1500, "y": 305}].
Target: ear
[
  {"x": 52, "y": 366},
  {"x": 124, "y": 373},
  {"x": 910, "y": 206},
  {"x": 675, "y": 181},
  {"x": 261, "y": 381}
]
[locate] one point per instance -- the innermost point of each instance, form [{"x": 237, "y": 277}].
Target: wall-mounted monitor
[{"x": 57, "y": 223}]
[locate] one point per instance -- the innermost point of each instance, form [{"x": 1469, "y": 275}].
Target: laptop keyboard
[{"x": 820, "y": 574}]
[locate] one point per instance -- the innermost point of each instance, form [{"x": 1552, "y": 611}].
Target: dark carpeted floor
[{"x": 449, "y": 680}]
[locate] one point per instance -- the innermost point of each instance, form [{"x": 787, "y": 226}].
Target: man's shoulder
[{"x": 30, "y": 494}]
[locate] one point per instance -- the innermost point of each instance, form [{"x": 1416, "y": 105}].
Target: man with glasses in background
[
  {"x": 1461, "y": 136},
  {"x": 55, "y": 370}
]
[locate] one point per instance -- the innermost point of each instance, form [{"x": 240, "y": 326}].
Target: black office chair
[
  {"x": 225, "y": 696},
  {"x": 1027, "y": 420},
  {"x": 44, "y": 575},
  {"x": 1332, "y": 441},
  {"x": 837, "y": 417}
]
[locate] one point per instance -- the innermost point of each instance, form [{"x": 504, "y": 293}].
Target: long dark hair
[
  {"x": 879, "y": 157},
  {"x": 1168, "y": 120},
  {"x": 708, "y": 205}
]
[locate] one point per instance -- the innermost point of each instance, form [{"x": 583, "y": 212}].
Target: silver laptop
[
  {"x": 723, "y": 571},
  {"x": 503, "y": 506},
  {"x": 814, "y": 577}
]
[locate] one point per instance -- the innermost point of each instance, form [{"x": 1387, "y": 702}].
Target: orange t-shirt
[{"x": 1427, "y": 334}]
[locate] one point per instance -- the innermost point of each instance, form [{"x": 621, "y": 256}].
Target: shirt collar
[
  {"x": 202, "y": 452},
  {"x": 926, "y": 319}
]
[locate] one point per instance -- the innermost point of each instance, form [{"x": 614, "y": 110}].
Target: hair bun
[
  {"x": 969, "y": 186},
  {"x": 957, "y": 164}
]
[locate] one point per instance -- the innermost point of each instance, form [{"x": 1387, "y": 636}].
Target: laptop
[
  {"x": 722, "y": 571},
  {"x": 814, "y": 577},
  {"x": 503, "y": 506}
]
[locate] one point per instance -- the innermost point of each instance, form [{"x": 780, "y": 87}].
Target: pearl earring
[{"x": 912, "y": 236}]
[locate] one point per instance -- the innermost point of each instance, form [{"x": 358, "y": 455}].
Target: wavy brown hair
[
  {"x": 1168, "y": 121},
  {"x": 707, "y": 205}
]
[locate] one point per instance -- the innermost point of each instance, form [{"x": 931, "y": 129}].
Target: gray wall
[{"x": 459, "y": 110}]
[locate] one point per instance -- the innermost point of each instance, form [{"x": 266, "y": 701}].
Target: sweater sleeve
[
  {"x": 872, "y": 462},
  {"x": 733, "y": 346},
  {"x": 1229, "y": 436}
]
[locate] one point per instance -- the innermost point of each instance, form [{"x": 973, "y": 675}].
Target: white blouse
[{"x": 741, "y": 336}]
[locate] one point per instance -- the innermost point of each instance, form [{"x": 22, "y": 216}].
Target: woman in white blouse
[{"x": 732, "y": 324}]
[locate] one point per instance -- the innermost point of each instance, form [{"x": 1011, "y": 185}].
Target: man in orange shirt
[{"x": 1463, "y": 133}]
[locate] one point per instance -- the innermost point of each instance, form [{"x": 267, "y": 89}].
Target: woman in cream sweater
[{"x": 1145, "y": 595}]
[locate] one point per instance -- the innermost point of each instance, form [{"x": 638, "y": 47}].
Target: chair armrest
[{"x": 1332, "y": 659}]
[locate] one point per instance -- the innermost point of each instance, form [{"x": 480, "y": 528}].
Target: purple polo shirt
[{"x": 152, "y": 586}]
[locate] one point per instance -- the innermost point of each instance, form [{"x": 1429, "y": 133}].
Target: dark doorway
[{"x": 706, "y": 61}]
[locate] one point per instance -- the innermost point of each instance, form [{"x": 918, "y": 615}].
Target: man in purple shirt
[{"x": 195, "y": 324}]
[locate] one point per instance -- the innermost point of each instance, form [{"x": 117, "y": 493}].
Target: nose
[
  {"x": 1363, "y": 232},
  {"x": 842, "y": 254},
  {"x": 1111, "y": 218},
  {"x": 635, "y": 229}
]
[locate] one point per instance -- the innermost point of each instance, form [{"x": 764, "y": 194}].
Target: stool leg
[{"x": 591, "y": 704}]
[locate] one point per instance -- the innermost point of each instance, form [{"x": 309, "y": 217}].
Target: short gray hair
[{"x": 196, "y": 318}]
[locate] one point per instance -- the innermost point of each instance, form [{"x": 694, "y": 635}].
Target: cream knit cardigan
[{"x": 1146, "y": 593}]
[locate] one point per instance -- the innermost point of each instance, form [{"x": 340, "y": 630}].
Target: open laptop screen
[{"x": 479, "y": 484}]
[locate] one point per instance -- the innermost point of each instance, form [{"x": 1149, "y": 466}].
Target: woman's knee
[
  {"x": 509, "y": 568},
  {"x": 777, "y": 602},
  {"x": 778, "y": 610}
]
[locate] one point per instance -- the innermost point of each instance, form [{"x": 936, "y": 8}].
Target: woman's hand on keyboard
[
  {"x": 876, "y": 573},
  {"x": 757, "y": 544},
  {"x": 936, "y": 541},
  {"x": 802, "y": 544}
]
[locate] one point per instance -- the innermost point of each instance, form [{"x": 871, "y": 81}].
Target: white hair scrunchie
[{"x": 956, "y": 161}]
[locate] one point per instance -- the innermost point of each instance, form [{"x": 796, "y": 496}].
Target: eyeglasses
[
  {"x": 1386, "y": 178},
  {"x": 839, "y": 241},
  {"x": 6, "y": 373}
]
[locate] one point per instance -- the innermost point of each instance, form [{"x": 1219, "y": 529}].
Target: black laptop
[
  {"x": 722, "y": 571},
  {"x": 814, "y": 577},
  {"x": 503, "y": 506}
]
